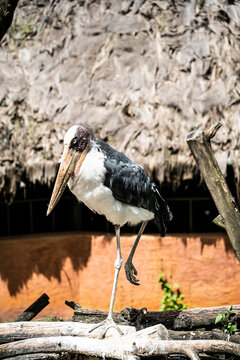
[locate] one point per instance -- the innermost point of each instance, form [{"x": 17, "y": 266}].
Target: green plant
[
  {"x": 224, "y": 319},
  {"x": 172, "y": 296}
]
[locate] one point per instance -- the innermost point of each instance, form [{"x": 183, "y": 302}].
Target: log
[
  {"x": 126, "y": 347},
  {"x": 200, "y": 146},
  {"x": 152, "y": 341},
  {"x": 38, "y": 356},
  {"x": 128, "y": 316},
  {"x": 34, "y": 309},
  {"x": 10, "y": 332},
  {"x": 73, "y": 305},
  {"x": 218, "y": 335},
  {"x": 56, "y": 338},
  {"x": 189, "y": 348},
  {"x": 90, "y": 316},
  {"x": 215, "y": 334},
  {"x": 171, "y": 319}
]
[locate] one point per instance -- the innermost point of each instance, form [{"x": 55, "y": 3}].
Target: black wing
[{"x": 130, "y": 184}]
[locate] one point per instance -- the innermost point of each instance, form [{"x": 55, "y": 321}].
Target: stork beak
[{"x": 66, "y": 169}]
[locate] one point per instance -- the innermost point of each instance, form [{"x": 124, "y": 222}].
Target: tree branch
[{"x": 200, "y": 146}]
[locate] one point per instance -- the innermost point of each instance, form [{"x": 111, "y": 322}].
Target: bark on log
[
  {"x": 34, "y": 309},
  {"x": 171, "y": 319},
  {"x": 200, "y": 146},
  {"x": 89, "y": 316}
]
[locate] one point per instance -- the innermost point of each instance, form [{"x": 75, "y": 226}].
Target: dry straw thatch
[{"x": 142, "y": 73}]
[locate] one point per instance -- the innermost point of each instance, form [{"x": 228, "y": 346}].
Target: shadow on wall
[
  {"x": 210, "y": 240},
  {"x": 22, "y": 257}
]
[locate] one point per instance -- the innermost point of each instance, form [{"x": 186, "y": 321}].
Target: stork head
[{"x": 76, "y": 146}]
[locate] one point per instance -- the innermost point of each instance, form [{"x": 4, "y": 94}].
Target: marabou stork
[{"x": 109, "y": 183}]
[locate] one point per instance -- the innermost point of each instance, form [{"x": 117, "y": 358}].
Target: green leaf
[
  {"x": 229, "y": 309},
  {"x": 233, "y": 328},
  {"x": 219, "y": 318}
]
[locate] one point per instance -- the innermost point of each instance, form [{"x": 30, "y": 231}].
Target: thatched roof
[{"x": 143, "y": 74}]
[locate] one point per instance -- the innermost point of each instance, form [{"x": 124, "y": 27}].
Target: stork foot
[
  {"x": 106, "y": 324},
  {"x": 131, "y": 272}
]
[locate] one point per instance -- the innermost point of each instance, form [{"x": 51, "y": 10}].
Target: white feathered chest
[{"x": 88, "y": 187}]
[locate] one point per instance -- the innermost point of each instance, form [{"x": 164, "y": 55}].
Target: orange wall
[{"x": 80, "y": 267}]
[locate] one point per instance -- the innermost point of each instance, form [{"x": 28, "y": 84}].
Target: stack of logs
[{"x": 184, "y": 334}]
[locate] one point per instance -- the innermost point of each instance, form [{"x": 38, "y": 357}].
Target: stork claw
[
  {"x": 107, "y": 324},
  {"x": 130, "y": 272}
]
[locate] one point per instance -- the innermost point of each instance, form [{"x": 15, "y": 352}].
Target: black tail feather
[{"x": 162, "y": 212}]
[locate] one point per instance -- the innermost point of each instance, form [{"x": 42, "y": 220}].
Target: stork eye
[{"x": 74, "y": 141}]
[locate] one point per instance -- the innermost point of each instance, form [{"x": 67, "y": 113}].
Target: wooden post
[{"x": 200, "y": 146}]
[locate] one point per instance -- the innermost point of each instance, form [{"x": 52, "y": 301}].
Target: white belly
[{"x": 88, "y": 188}]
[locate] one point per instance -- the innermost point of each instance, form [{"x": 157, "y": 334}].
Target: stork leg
[
  {"x": 129, "y": 267},
  {"x": 118, "y": 264},
  {"x": 109, "y": 322}
]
